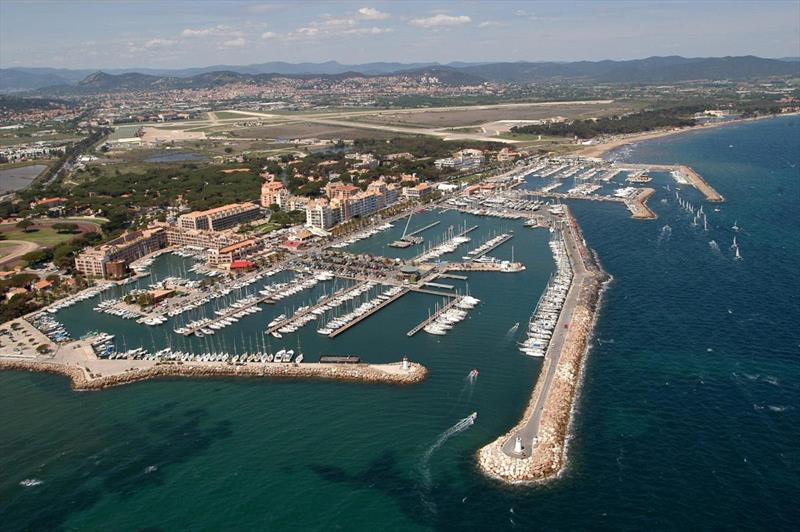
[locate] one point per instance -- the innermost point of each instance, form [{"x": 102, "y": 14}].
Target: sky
[{"x": 177, "y": 34}]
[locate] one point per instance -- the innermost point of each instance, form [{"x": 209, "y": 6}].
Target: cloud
[
  {"x": 440, "y": 20},
  {"x": 216, "y": 31},
  {"x": 490, "y": 24},
  {"x": 269, "y": 35},
  {"x": 238, "y": 42},
  {"x": 151, "y": 44},
  {"x": 159, "y": 43},
  {"x": 370, "y": 13},
  {"x": 329, "y": 27},
  {"x": 367, "y": 31}
]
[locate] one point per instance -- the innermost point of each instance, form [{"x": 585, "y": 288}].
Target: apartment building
[
  {"x": 111, "y": 260},
  {"x": 220, "y": 218}
]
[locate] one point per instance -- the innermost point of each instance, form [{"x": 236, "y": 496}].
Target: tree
[
  {"x": 37, "y": 257},
  {"x": 66, "y": 227},
  {"x": 24, "y": 225}
]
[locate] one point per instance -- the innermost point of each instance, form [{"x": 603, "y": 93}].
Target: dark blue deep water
[{"x": 688, "y": 418}]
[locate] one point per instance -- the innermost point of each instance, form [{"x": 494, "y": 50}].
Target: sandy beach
[{"x": 599, "y": 150}]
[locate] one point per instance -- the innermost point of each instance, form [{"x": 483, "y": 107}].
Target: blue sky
[{"x": 170, "y": 34}]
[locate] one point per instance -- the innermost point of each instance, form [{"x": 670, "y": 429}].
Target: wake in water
[
  {"x": 715, "y": 247},
  {"x": 665, "y": 234},
  {"x": 467, "y": 389},
  {"x": 30, "y": 482},
  {"x": 425, "y": 467}
]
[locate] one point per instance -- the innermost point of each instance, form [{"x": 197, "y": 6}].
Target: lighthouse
[
  {"x": 405, "y": 363},
  {"x": 518, "y": 446}
]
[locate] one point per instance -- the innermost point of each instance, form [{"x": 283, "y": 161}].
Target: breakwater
[
  {"x": 535, "y": 449},
  {"x": 83, "y": 378}
]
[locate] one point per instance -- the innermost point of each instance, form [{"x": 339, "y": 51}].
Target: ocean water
[{"x": 688, "y": 417}]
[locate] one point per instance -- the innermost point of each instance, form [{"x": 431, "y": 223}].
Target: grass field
[
  {"x": 44, "y": 236},
  {"x": 41, "y": 234}
]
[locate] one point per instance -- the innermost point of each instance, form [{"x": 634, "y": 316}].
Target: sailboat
[
  {"x": 738, "y": 255},
  {"x": 734, "y": 245},
  {"x": 705, "y": 223},
  {"x": 735, "y": 225}
]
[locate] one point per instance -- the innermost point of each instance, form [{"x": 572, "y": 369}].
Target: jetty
[
  {"x": 76, "y": 360},
  {"x": 535, "y": 449},
  {"x": 383, "y": 304},
  {"x": 298, "y": 315},
  {"x": 682, "y": 172},
  {"x": 424, "y": 323}
]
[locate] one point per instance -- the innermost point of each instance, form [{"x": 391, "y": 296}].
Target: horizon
[{"x": 176, "y": 35}]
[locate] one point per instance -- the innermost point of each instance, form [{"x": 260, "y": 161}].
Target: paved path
[{"x": 20, "y": 248}]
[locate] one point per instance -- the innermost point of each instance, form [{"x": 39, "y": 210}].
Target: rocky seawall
[
  {"x": 548, "y": 454},
  {"x": 82, "y": 379}
]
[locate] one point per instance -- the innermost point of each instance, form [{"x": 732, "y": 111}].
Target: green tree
[{"x": 25, "y": 225}]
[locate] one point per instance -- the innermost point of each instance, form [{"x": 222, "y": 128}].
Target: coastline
[
  {"x": 602, "y": 149},
  {"x": 82, "y": 379}
]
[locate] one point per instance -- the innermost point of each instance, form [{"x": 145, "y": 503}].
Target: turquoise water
[{"x": 688, "y": 418}]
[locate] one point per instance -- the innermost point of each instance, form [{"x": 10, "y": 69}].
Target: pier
[
  {"x": 505, "y": 238},
  {"x": 259, "y": 300},
  {"x": 424, "y": 323},
  {"x": 420, "y": 256},
  {"x": 366, "y": 315},
  {"x": 421, "y": 229},
  {"x": 297, "y": 315},
  {"x": 687, "y": 173},
  {"x": 535, "y": 449}
]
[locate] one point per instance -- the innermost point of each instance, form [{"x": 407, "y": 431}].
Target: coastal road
[{"x": 530, "y": 429}]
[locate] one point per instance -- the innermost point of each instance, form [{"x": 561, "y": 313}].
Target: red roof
[{"x": 239, "y": 264}]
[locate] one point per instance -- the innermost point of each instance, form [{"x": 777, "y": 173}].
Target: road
[{"x": 20, "y": 248}]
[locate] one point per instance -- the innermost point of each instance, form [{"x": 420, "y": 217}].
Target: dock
[
  {"x": 462, "y": 233},
  {"x": 491, "y": 248},
  {"x": 425, "y": 228},
  {"x": 372, "y": 311},
  {"x": 259, "y": 301},
  {"x": 293, "y": 317},
  {"x": 439, "y": 285},
  {"x": 424, "y": 323}
]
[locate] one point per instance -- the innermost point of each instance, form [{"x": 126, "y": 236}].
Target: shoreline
[
  {"x": 82, "y": 379},
  {"x": 602, "y": 149},
  {"x": 548, "y": 453}
]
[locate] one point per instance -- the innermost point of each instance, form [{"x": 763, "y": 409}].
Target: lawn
[{"x": 42, "y": 235}]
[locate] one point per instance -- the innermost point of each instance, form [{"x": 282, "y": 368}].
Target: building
[
  {"x": 418, "y": 192},
  {"x": 220, "y": 218},
  {"x": 49, "y": 203},
  {"x": 319, "y": 214},
  {"x": 199, "y": 239},
  {"x": 238, "y": 250},
  {"x": 466, "y": 159},
  {"x": 273, "y": 192},
  {"x": 341, "y": 190},
  {"x": 111, "y": 260},
  {"x": 348, "y": 202}
]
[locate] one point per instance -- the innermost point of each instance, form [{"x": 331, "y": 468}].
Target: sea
[{"x": 687, "y": 418}]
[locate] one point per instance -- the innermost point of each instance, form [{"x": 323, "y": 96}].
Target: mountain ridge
[{"x": 654, "y": 69}]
